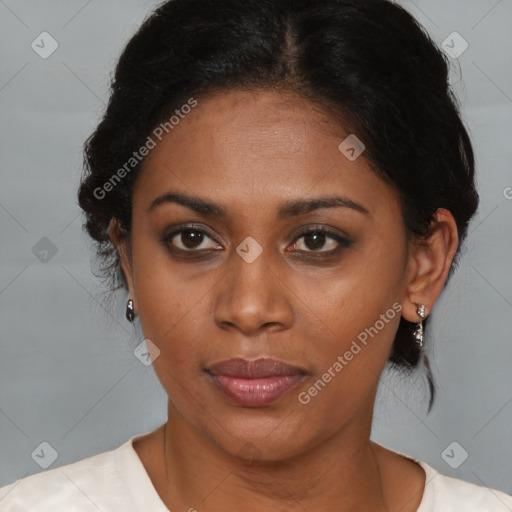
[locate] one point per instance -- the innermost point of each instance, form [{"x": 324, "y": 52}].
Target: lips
[
  {"x": 254, "y": 383},
  {"x": 253, "y": 369}
]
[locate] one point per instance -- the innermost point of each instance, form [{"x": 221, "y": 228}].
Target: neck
[{"x": 340, "y": 473}]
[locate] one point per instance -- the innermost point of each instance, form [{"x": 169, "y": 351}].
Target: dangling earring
[
  {"x": 418, "y": 331},
  {"x": 130, "y": 311}
]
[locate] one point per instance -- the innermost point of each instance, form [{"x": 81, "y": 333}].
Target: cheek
[
  {"x": 366, "y": 291},
  {"x": 168, "y": 305},
  {"x": 169, "y": 317},
  {"x": 350, "y": 355},
  {"x": 356, "y": 316}
]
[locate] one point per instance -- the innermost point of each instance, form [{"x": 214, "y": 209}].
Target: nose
[{"x": 253, "y": 297}]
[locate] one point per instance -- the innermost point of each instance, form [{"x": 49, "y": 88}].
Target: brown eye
[
  {"x": 191, "y": 239},
  {"x": 314, "y": 240}
]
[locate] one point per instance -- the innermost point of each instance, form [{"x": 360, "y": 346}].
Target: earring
[
  {"x": 130, "y": 311},
  {"x": 418, "y": 331}
]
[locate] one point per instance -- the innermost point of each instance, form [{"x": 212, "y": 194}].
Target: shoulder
[
  {"x": 81, "y": 485},
  {"x": 447, "y": 494}
]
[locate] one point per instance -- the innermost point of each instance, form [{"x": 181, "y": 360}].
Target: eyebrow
[{"x": 287, "y": 209}]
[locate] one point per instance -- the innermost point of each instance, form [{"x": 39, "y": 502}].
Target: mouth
[{"x": 254, "y": 383}]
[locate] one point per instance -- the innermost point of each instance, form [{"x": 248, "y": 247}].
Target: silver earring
[
  {"x": 418, "y": 331},
  {"x": 130, "y": 311}
]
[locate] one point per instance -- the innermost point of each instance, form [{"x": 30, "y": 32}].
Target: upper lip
[{"x": 254, "y": 369}]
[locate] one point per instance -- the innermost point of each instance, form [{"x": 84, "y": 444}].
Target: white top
[{"x": 116, "y": 481}]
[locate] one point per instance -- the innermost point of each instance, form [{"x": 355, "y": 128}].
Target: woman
[{"x": 282, "y": 187}]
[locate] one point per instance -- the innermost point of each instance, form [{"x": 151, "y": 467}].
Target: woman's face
[{"x": 250, "y": 284}]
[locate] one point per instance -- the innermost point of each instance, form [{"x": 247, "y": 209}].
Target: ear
[
  {"x": 429, "y": 263},
  {"x": 121, "y": 243}
]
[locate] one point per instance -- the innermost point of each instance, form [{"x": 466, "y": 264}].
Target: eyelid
[
  {"x": 197, "y": 227},
  {"x": 312, "y": 228},
  {"x": 342, "y": 239}
]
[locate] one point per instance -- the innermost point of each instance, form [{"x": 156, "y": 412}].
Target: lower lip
[{"x": 256, "y": 392}]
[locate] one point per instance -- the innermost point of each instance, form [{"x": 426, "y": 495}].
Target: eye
[
  {"x": 191, "y": 239},
  {"x": 194, "y": 239},
  {"x": 318, "y": 238}
]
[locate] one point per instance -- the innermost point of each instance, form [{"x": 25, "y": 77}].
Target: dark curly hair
[{"x": 368, "y": 63}]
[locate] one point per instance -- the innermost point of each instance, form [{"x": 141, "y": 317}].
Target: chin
[{"x": 254, "y": 436}]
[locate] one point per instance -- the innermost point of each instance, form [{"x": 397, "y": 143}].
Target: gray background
[{"x": 68, "y": 375}]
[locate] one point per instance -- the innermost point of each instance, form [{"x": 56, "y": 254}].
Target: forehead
[{"x": 255, "y": 149}]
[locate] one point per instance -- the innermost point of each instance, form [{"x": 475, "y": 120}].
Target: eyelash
[{"x": 342, "y": 241}]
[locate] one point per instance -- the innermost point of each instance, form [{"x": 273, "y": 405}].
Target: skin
[{"x": 250, "y": 152}]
